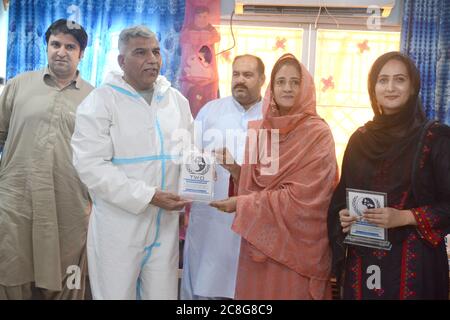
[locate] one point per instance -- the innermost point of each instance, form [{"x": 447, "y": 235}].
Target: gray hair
[{"x": 134, "y": 32}]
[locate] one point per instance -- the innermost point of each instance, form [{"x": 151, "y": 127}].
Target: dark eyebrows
[
  {"x": 395, "y": 75},
  {"x": 58, "y": 43}
]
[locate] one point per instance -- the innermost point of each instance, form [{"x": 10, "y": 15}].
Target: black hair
[
  {"x": 68, "y": 27},
  {"x": 413, "y": 74}
]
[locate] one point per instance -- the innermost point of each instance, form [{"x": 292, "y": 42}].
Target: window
[
  {"x": 342, "y": 63},
  {"x": 267, "y": 43},
  {"x": 339, "y": 60}
]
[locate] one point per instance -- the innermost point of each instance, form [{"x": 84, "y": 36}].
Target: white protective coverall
[{"x": 123, "y": 150}]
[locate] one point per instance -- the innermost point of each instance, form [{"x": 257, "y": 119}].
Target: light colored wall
[{"x": 227, "y": 7}]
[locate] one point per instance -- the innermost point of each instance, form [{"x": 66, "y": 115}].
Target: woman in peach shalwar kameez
[{"x": 282, "y": 217}]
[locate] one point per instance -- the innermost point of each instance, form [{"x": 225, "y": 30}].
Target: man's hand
[
  {"x": 225, "y": 159},
  {"x": 389, "y": 217},
  {"x": 168, "y": 201},
  {"x": 346, "y": 220},
  {"x": 227, "y": 205}
]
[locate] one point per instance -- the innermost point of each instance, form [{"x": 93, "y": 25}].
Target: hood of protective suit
[{"x": 161, "y": 84}]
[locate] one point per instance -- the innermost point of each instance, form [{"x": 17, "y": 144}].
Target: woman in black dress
[{"x": 402, "y": 154}]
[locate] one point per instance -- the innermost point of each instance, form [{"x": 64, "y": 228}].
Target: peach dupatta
[{"x": 282, "y": 217}]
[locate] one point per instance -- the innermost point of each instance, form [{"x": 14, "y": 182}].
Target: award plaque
[
  {"x": 361, "y": 232},
  {"x": 197, "y": 176}
]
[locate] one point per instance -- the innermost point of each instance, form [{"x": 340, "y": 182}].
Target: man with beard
[
  {"x": 124, "y": 152},
  {"x": 43, "y": 205},
  {"x": 211, "y": 248}
]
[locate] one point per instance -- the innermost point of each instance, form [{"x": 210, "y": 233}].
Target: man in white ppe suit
[
  {"x": 211, "y": 248},
  {"x": 123, "y": 152}
]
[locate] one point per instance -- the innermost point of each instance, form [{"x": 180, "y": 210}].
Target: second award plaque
[
  {"x": 363, "y": 233},
  {"x": 197, "y": 176}
]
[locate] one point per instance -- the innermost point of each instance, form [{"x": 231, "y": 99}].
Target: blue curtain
[
  {"x": 29, "y": 19},
  {"x": 426, "y": 39}
]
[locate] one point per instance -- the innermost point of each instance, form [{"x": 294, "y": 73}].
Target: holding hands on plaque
[
  {"x": 225, "y": 159},
  {"x": 381, "y": 217}
]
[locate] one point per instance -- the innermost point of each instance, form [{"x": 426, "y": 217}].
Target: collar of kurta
[
  {"x": 242, "y": 109},
  {"x": 48, "y": 74}
]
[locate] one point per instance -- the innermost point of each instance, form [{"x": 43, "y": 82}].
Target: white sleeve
[{"x": 92, "y": 153}]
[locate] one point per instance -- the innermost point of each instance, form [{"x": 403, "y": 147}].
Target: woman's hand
[
  {"x": 227, "y": 205},
  {"x": 225, "y": 159},
  {"x": 389, "y": 217},
  {"x": 346, "y": 220}
]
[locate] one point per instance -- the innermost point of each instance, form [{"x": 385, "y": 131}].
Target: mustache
[{"x": 240, "y": 86}]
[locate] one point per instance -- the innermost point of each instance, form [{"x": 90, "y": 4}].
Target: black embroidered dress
[{"x": 413, "y": 168}]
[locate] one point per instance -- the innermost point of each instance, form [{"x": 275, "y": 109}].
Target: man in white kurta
[
  {"x": 211, "y": 248},
  {"x": 125, "y": 154}
]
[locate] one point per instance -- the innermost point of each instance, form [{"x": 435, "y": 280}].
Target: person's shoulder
[
  {"x": 24, "y": 80},
  {"x": 32, "y": 73},
  {"x": 26, "y": 76},
  {"x": 440, "y": 128},
  {"x": 315, "y": 124},
  {"x": 438, "y": 133},
  {"x": 437, "y": 139},
  {"x": 317, "y": 130},
  {"x": 102, "y": 95},
  {"x": 217, "y": 103},
  {"x": 86, "y": 85},
  {"x": 214, "y": 107},
  {"x": 359, "y": 133},
  {"x": 174, "y": 91},
  {"x": 177, "y": 99},
  {"x": 100, "y": 99},
  {"x": 103, "y": 90}
]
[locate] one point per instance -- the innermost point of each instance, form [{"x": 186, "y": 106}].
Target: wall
[{"x": 394, "y": 19}]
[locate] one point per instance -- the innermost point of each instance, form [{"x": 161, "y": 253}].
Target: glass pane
[
  {"x": 343, "y": 61},
  {"x": 267, "y": 43}
]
